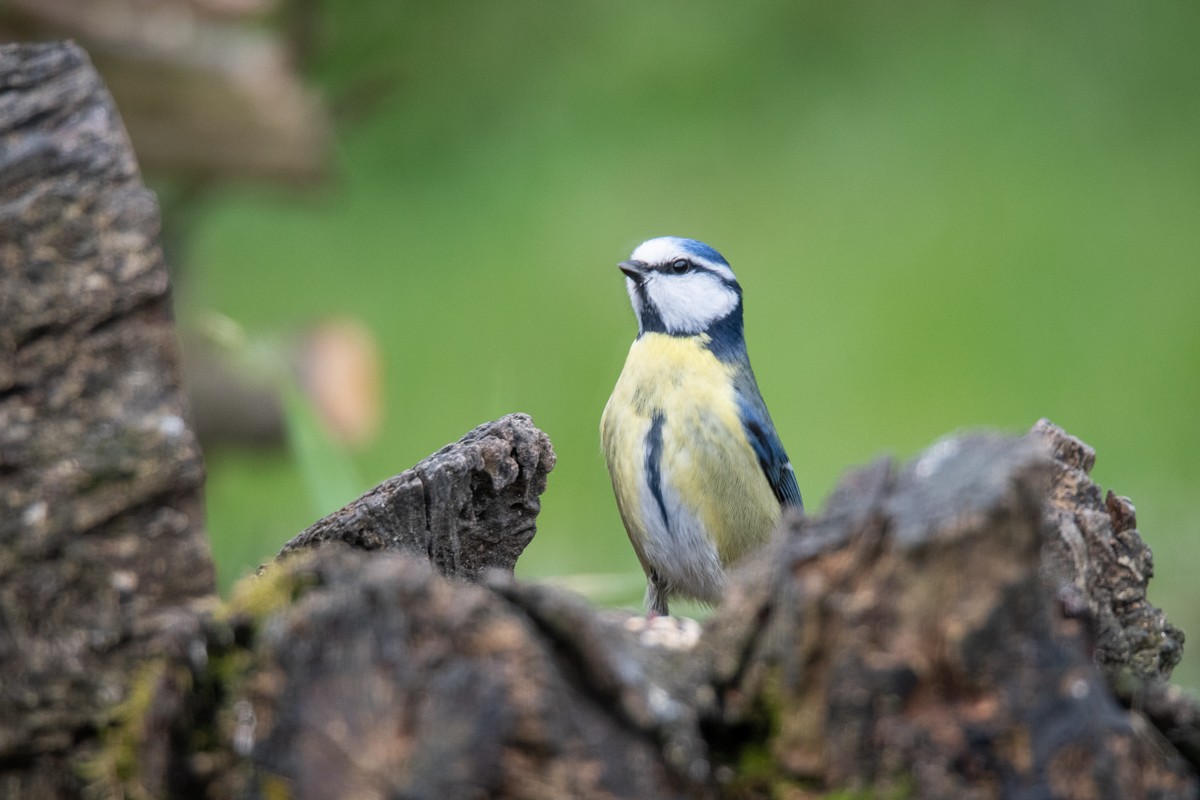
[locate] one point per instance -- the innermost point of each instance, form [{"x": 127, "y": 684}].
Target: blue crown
[{"x": 702, "y": 250}]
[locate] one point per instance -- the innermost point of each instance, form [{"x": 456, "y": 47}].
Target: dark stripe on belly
[{"x": 654, "y": 445}]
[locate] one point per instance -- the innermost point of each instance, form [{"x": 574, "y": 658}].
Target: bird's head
[{"x": 681, "y": 287}]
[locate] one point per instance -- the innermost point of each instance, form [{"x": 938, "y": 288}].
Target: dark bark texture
[
  {"x": 911, "y": 642},
  {"x": 970, "y": 625},
  {"x": 443, "y": 689},
  {"x": 101, "y": 544},
  {"x": 1101, "y": 565},
  {"x": 470, "y": 506}
]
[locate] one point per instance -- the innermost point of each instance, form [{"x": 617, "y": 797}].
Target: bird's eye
[{"x": 680, "y": 266}]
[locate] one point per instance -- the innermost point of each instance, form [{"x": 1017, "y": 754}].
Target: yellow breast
[{"x": 707, "y": 465}]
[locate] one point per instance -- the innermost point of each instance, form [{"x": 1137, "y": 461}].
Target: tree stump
[
  {"x": 910, "y": 641},
  {"x": 909, "y": 644},
  {"x": 101, "y": 539}
]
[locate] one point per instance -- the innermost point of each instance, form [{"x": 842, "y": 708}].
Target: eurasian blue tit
[{"x": 698, "y": 470}]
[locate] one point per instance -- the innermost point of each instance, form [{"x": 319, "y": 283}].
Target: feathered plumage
[{"x": 698, "y": 470}]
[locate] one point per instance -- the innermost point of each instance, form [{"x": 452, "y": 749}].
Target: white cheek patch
[{"x": 690, "y": 303}]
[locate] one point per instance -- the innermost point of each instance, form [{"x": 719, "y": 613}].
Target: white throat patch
[{"x": 691, "y": 302}]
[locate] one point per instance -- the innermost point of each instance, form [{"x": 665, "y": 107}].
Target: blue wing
[{"x": 765, "y": 441}]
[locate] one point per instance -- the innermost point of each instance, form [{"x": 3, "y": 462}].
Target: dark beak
[{"x": 636, "y": 270}]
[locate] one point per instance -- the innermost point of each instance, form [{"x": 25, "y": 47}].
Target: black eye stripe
[
  {"x": 679, "y": 266},
  {"x": 693, "y": 266}
]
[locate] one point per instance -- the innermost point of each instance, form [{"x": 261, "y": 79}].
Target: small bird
[{"x": 698, "y": 470}]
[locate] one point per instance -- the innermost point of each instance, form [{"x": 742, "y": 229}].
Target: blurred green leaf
[{"x": 329, "y": 474}]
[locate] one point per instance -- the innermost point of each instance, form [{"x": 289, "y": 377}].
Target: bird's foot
[{"x": 672, "y": 633}]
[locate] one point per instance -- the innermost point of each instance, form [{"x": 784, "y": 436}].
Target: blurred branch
[
  {"x": 243, "y": 391},
  {"x": 202, "y": 91}
]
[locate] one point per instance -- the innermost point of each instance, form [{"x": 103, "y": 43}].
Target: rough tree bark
[
  {"x": 970, "y": 625},
  {"x": 909, "y": 642},
  {"x": 101, "y": 544},
  {"x": 468, "y": 507}
]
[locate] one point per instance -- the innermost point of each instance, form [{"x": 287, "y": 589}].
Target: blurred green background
[{"x": 944, "y": 216}]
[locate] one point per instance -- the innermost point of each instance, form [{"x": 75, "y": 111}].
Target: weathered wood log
[
  {"x": 1101, "y": 567},
  {"x": 101, "y": 540},
  {"x": 909, "y": 643},
  {"x": 470, "y": 506},
  {"x": 443, "y": 689}
]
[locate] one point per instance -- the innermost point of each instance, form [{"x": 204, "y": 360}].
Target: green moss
[
  {"x": 200, "y": 702},
  {"x": 256, "y": 597},
  {"x": 750, "y": 753},
  {"x": 112, "y": 771},
  {"x": 901, "y": 789},
  {"x": 744, "y": 750},
  {"x": 274, "y": 787},
  {"x": 756, "y": 762}
]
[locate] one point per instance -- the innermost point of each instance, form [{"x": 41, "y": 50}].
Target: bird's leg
[{"x": 656, "y": 596}]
